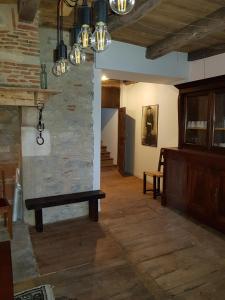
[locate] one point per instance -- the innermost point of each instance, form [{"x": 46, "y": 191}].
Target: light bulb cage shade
[
  {"x": 84, "y": 15},
  {"x": 74, "y": 33},
  {"x": 101, "y": 8}
]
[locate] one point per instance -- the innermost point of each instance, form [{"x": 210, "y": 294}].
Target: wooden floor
[{"x": 138, "y": 250}]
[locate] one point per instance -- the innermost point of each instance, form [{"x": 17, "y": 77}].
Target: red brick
[
  {"x": 27, "y": 27},
  {"x": 12, "y": 80},
  {"x": 31, "y": 54}
]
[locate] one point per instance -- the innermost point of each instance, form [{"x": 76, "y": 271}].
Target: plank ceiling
[
  {"x": 165, "y": 19},
  {"x": 168, "y": 18}
]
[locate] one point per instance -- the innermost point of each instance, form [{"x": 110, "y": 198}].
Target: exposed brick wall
[{"x": 19, "y": 50}]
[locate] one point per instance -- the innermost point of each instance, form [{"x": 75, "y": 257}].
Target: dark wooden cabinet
[
  {"x": 202, "y": 115},
  {"x": 176, "y": 180},
  {"x": 194, "y": 182},
  {"x": 200, "y": 183},
  {"x": 194, "y": 173}
]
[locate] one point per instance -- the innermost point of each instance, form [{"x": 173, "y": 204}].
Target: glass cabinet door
[
  {"x": 219, "y": 120},
  {"x": 196, "y": 122}
]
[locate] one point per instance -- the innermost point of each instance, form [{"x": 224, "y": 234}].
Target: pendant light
[
  {"x": 81, "y": 34},
  {"x": 100, "y": 39},
  {"x": 84, "y": 37},
  {"x": 122, "y": 7},
  {"x": 77, "y": 55},
  {"x": 60, "y": 66}
]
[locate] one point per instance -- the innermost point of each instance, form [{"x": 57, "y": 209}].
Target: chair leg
[
  {"x": 154, "y": 187},
  {"x": 158, "y": 186},
  {"x": 144, "y": 183}
]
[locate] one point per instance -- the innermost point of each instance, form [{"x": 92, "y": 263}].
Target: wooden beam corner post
[{"x": 27, "y": 10}]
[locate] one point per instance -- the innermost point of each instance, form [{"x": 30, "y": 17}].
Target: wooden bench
[{"x": 39, "y": 203}]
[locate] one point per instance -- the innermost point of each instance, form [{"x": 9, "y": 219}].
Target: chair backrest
[{"x": 161, "y": 159}]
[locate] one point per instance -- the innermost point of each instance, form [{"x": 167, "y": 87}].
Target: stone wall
[
  {"x": 19, "y": 49},
  {"x": 64, "y": 164}
]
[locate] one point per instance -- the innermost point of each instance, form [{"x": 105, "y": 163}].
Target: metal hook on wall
[{"x": 40, "y": 126}]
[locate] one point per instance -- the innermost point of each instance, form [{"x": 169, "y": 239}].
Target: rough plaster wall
[{"x": 68, "y": 164}]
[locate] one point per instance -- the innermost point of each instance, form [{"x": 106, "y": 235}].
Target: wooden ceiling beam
[
  {"x": 206, "y": 52},
  {"x": 219, "y": 2},
  {"x": 142, "y": 7},
  {"x": 27, "y": 10},
  {"x": 198, "y": 30}
]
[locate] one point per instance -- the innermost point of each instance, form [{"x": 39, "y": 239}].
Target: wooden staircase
[{"x": 106, "y": 160}]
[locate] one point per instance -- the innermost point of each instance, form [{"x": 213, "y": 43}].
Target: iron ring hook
[{"x": 40, "y": 140}]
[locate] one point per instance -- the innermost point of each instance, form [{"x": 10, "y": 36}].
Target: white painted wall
[
  {"x": 110, "y": 131},
  {"x": 127, "y": 62},
  {"x": 133, "y": 97},
  {"x": 207, "y": 67}
]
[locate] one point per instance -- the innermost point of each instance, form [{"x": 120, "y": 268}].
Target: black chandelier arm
[
  {"x": 61, "y": 20},
  {"x": 75, "y": 13},
  {"x": 59, "y": 25},
  {"x": 67, "y": 2},
  {"x": 60, "y": 16}
]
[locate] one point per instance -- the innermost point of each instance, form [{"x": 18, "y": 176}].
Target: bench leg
[
  {"x": 144, "y": 183},
  {"x": 93, "y": 210},
  {"x": 38, "y": 220}
]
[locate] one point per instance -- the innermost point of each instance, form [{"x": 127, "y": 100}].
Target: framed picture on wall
[{"x": 149, "y": 128}]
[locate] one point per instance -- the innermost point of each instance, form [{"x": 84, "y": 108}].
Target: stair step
[
  {"x": 105, "y": 155},
  {"x": 106, "y": 158},
  {"x": 107, "y": 162},
  {"x": 104, "y": 152}
]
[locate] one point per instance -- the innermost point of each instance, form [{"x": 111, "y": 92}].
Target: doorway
[{"x": 113, "y": 127}]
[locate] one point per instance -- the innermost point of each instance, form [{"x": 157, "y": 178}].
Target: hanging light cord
[{"x": 69, "y": 3}]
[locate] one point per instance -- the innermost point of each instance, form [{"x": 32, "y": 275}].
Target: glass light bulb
[
  {"x": 77, "y": 55},
  {"x": 122, "y": 7},
  {"x": 60, "y": 67},
  {"x": 84, "y": 36},
  {"x": 100, "y": 39},
  {"x": 64, "y": 65},
  {"x": 56, "y": 69}
]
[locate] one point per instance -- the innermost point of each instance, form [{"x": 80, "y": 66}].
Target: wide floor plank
[{"x": 138, "y": 250}]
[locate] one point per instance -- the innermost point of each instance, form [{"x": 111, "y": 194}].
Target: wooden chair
[
  {"x": 156, "y": 175},
  {"x": 6, "y": 208}
]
